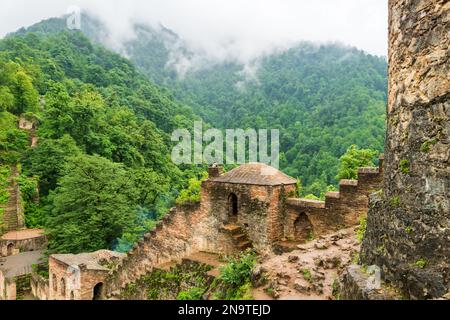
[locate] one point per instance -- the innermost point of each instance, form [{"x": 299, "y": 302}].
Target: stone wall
[
  {"x": 7, "y": 288},
  {"x": 177, "y": 235},
  {"x": 22, "y": 245},
  {"x": 73, "y": 282},
  {"x": 62, "y": 281},
  {"x": 13, "y": 216},
  {"x": 39, "y": 287},
  {"x": 340, "y": 209},
  {"x": 408, "y": 226},
  {"x": 26, "y": 124},
  {"x": 357, "y": 286},
  {"x": 260, "y": 211}
]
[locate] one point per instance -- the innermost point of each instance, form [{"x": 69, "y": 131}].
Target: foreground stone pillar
[{"x": 408, "y": 232}]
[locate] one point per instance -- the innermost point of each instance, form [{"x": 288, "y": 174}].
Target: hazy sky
[{"x": 240, "y": 28}]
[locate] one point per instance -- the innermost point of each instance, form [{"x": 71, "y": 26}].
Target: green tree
[
  {"x": 353, "y": 159},
  {"x": 26, "y": 96},
  {"x": 192, "y": 193},
  {"x": 91, "y": 206},
  {"x": 48, "y": 160},
  {"x": 6, "y": 99},
  {"x": 148, "y": 186}
]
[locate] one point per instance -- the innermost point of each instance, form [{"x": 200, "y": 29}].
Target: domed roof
[{"x": 257, "y": 174}]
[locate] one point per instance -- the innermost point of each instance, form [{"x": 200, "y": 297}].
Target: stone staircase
[
  {"x": 238, "y": 235},
  {"x": 12, "y": 216}
]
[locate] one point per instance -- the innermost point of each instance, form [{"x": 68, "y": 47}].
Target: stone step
[
  {"x": 207, "y": 258},
  {"x": 232, "y": 229},
  {"x": 244, "y": 245},
  {"x": 239, "y": 237}
]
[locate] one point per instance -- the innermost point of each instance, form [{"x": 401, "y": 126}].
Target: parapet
[{"x": 305, "y": 203}]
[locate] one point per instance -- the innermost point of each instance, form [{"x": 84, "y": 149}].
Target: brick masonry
[{"x": 339, "y": 210}]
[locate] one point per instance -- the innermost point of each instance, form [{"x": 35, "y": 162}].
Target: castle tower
[{"x": 408, "y": 227}]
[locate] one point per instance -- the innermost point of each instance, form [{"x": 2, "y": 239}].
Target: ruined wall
[
  {"x": 7, "y": 288},
  {"x": 26, "y": 124},
  {"x": 340, "y": 209},
  {"x": 72, "y": 282},
  {"x": 23, "y": 245},
  {"x": 259, "y": 211},
  {"x": 39, "y": 287},
  {"x": 13, "y": 216},
  {"x": 183, "y": 230},
  {"x": 199, "y": 227},
  {"x": 408, "y": 226},
  {"x": 59, "y": 272}
]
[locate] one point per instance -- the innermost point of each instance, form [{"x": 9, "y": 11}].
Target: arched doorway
[
  {"x": 98, "y": 291},
  {"x": 232, "y": 207},
  {"x": 303, "y": 229},
  {"x": 10, "y": 249}
]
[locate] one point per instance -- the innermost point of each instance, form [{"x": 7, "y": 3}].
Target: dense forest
[
  {"x": 102, "y": 165},
  {"x": 323, "y": 98}
]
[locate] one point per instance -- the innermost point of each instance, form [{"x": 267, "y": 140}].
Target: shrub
[
  {"x": 235, "y": 277},
  {"x": 361, "y": 228},
  {"x": 194, "y": 293},
  {"x": 238, "y": 270}
]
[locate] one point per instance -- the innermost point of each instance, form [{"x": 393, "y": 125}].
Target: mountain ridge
[{"x": 322, "y": 98}]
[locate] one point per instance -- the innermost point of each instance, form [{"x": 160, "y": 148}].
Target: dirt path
[{"x": 308, "y": 272}]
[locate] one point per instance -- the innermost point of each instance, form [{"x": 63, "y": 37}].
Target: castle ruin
[{"x": 249, "y": 206}]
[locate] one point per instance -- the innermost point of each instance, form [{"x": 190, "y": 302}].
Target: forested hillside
[
  {"x": 102, "y": 163},
  {"x": 323, "y": 99}
]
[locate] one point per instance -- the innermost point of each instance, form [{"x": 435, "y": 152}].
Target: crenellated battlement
[
  {"x": 340, "y": 209},
  {"x": 242, "y": 208}
]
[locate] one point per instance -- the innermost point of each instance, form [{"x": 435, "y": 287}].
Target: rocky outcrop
[
  {"x": 408, "y": 227},
  {"x": 357, "y": 286}
]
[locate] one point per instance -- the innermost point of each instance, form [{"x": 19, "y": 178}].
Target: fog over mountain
[{"x": 224, "y": 30}]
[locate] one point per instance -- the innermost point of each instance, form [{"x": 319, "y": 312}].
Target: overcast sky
[{"x": 243, "y": 28}]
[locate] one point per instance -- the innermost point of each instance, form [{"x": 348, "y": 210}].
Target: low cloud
[{"x": 221, "y": 30}]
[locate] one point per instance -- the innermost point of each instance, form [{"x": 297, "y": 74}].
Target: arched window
[
  {"x": 98, "y": 291},
  {"x": 63, "y": 287},
  {"x": 54, "y": 283},
  {"x": 232, "y": 206}
]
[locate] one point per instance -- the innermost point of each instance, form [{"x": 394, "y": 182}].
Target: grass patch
[
  {"x": 307, "y": 274},
  {"x": 425, "y": 147},
  {"x": 404, "y": 166},
  {"x": 421, "y": 263},
  {"x": 395, "y": 201},
  {"x": 194, "y": 293}
]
